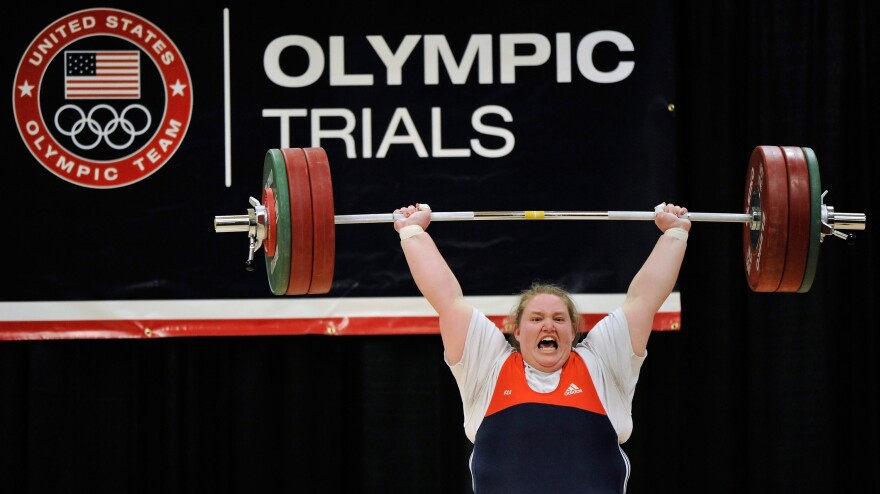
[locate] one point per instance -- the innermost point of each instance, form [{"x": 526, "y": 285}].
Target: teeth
[{"x": 547, "y": 342}]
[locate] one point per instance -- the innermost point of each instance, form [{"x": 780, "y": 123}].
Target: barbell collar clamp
[{"x": 833, "y": 222}]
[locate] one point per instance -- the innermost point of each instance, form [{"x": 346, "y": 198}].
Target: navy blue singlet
[{"x": 557, "y": 442}]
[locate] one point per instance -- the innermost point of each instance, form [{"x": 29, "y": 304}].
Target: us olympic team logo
[{"x": 102, "y": 98}]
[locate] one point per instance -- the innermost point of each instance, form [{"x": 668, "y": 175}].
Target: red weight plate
[
  {"x": 799, "y": 213},
  {"x": 268, "y": 201},
  {"x": 324, "y": 220},
  {"x": 764, "y": 249},
  {"x": 301, "y": 225}
]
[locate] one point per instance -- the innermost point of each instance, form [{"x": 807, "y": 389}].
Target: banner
[{"x": 138, "y": 126}]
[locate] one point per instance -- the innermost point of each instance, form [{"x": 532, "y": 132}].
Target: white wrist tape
[
  {"x": 679, "y": 233},
  {"x": 410, "y": 231}
]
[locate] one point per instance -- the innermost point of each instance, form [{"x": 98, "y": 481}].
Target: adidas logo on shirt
[{"x": 573, "y": 390}]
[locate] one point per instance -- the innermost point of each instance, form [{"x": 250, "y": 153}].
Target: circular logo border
[{"x": 152, "y": 41}]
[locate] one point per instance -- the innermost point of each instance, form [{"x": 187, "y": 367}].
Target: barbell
[{"x": 784, "y": 220}]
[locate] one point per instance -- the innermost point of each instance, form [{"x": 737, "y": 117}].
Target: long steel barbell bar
[
  {"x": 831, "y": 220},
  {"x": 242, "y": 223}
]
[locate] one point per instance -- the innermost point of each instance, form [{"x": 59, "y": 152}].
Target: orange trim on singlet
[{"x": 575, "y": 387}]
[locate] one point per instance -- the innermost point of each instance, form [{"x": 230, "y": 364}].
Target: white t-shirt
[{"x": 607, "y": 351}]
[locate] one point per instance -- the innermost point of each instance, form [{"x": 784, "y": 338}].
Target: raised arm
[
  {"x": 656, "y": 278},
  {"x": 434, "y": 279}
]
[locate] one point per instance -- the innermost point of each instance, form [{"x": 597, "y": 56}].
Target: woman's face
[{"x": 545, "y": 333}]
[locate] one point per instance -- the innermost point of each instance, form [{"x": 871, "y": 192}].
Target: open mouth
[{"x": 547, "y": 343}]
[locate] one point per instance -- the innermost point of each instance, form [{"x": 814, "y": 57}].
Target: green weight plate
[
  {"x": 275, "y": 178},
  {"x": 815, "y": 221}
]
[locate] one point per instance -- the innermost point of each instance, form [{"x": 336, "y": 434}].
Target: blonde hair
[{"x": 537, "y": 288}]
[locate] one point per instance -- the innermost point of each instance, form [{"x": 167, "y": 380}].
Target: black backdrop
[{"x": 758, "y": 392}]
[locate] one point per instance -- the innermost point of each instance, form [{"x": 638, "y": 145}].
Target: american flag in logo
[{"x": 102, "y": 74}]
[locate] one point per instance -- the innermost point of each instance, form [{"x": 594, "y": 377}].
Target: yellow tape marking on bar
[{"x": 534, "y": 215}]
